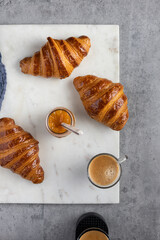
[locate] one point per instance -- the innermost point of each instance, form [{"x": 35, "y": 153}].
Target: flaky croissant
[
  {"x": 19, "y": 151},
  {"x": 103, "y": 100},
  {"x": 57, "y": 58}
]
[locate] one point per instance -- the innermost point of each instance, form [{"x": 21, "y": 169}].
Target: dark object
[
  {"x": 3, "y": 81},
  {"x": 91, "y": 221}
]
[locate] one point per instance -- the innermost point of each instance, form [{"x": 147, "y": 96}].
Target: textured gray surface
[{"x": 138, "y": 214}]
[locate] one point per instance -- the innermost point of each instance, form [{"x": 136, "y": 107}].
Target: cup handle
[{"x": 122, "y": 159}]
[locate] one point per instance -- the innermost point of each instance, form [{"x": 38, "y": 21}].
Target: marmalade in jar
[{"x": 56, "y": 118}]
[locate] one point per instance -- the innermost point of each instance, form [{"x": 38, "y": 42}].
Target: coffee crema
[
  {"x": 94, "y": 235},
  {"x": 104, "y": 170}
]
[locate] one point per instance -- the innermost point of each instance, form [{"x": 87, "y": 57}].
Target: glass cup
[
  {"x": 118, "y": 163},
  {"x": 66, "y": 133}
]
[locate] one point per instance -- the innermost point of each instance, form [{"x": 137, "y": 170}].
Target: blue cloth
[{"x": 3, "y": 81}]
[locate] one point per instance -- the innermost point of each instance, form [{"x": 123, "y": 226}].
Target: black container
[{"x": 89, "y": 222}]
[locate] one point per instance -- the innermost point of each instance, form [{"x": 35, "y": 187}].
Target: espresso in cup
[
  {"x": 94, "y": 235},
  {"x": 104, "y": 170},
  {"x": 92, "y": 226}
]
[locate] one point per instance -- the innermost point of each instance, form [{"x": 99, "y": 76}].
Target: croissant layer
[
  {"x": 103, "y": 100},
  {"x": 57, "y": 58},
  {"x": 19, "y": 151}
]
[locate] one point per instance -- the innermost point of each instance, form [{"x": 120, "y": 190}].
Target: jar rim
[{"x": 66, "y": 133}]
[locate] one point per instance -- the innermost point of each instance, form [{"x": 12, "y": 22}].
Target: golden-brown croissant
[
  {"x": 57, "y": 58},
  {"x": 103, "y": 100},
  {"x": 19, "y": 151}
]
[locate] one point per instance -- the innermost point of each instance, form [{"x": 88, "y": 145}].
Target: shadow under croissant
[{"x": 78, "y": 108}]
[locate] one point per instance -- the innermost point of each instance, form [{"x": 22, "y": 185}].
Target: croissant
[
  {"x": 19, "y": 151},
  {"x": 57, "y": 58},
  {"x": 103, "y": 100}
]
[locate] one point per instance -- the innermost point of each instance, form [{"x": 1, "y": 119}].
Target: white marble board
[{"x": 28, "y": 100}]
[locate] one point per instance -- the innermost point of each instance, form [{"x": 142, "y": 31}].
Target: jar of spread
[{"x": 55, "y": 118}]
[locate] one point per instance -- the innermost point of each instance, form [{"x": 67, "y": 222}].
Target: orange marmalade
[{"x": 56, "y": 118}]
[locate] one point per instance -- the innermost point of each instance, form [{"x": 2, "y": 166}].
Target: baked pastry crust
[
  {"x": 103, "y": 100},
  {"x": 57, "y": 58},
  {"x": 19, "y": 151}
]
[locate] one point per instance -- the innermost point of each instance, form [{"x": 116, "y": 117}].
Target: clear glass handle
[{"x": 122, "y": 159}]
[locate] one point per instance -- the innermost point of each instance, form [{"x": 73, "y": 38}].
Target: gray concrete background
[{"x": 137, "y": 217}]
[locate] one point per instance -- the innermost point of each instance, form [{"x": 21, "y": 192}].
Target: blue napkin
[{"x": 3, "y": 81}]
